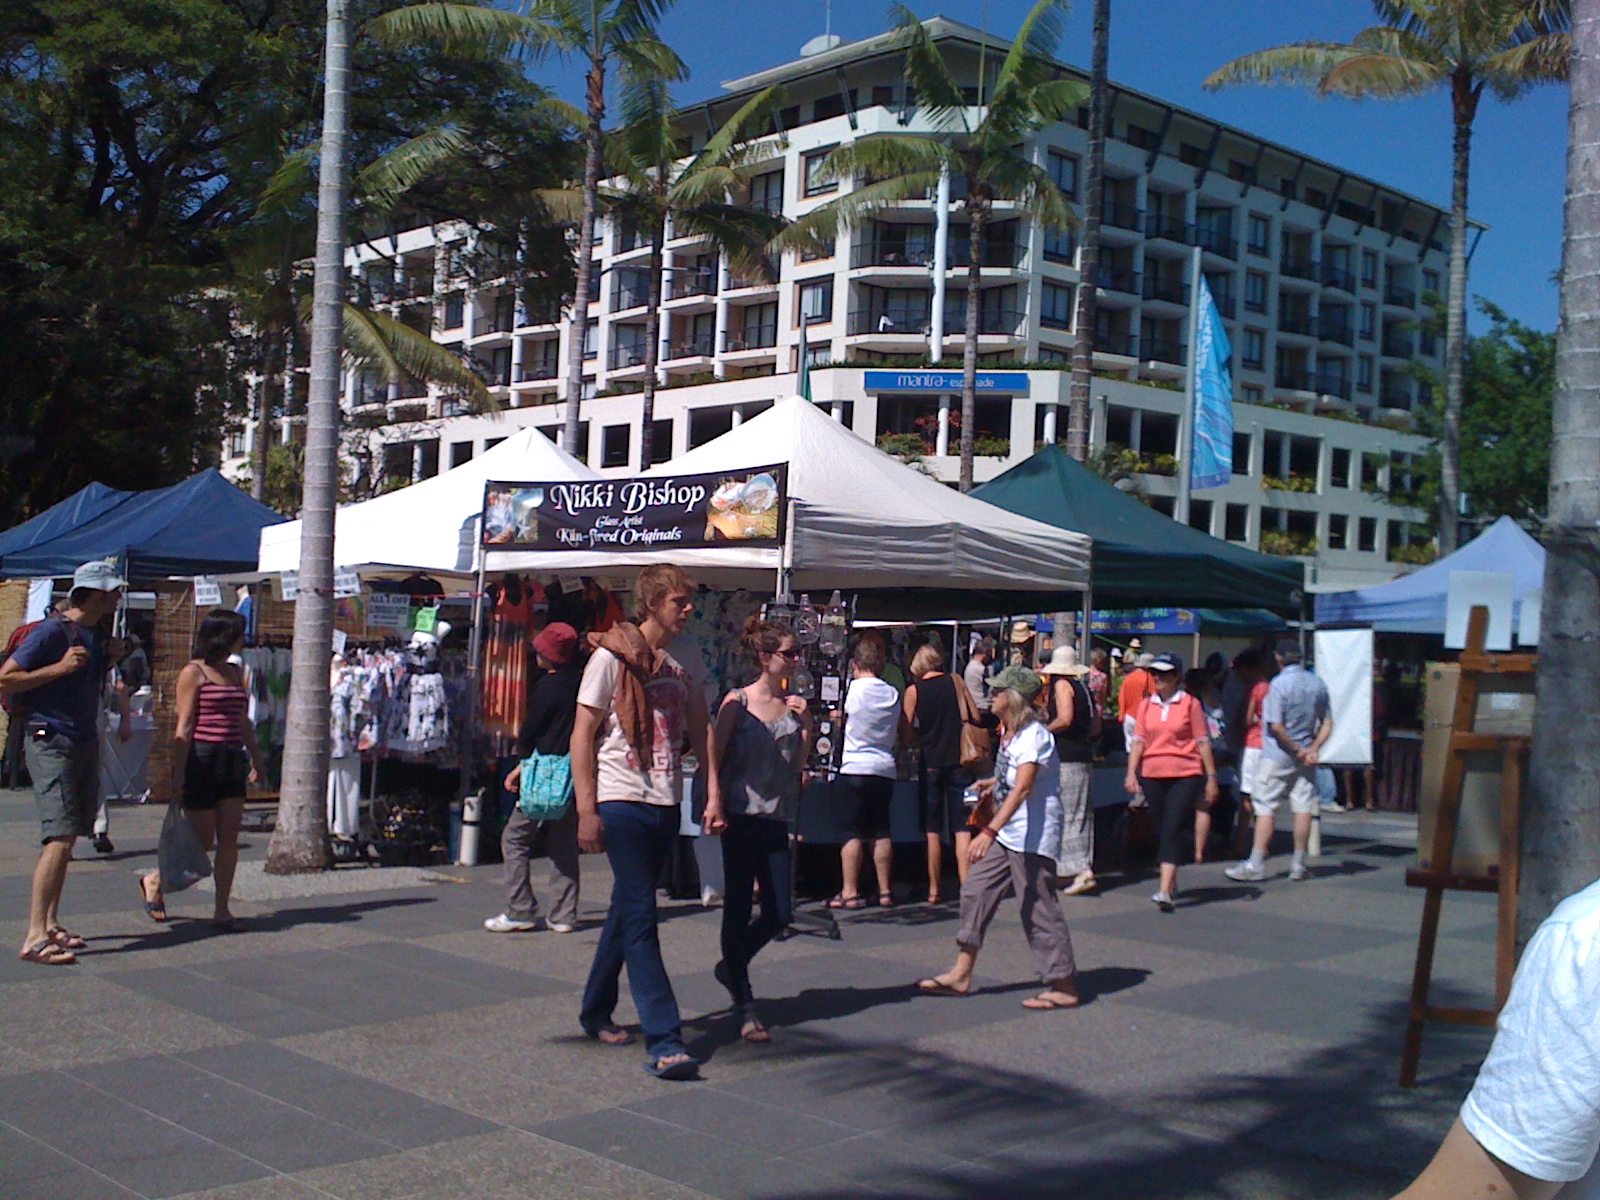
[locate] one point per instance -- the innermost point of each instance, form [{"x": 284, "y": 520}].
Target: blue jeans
[
  {"x": 638, "y": 839},
  {"x": 754, "y": 850}
]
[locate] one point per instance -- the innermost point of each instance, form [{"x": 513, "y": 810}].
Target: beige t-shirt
[{"x": 619, "y": 774}]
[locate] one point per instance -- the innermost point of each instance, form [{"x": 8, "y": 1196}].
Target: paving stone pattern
[{"x": 372, "y": 1041}]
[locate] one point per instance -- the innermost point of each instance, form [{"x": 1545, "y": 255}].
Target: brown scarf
[{"x": 639, "y": 665}]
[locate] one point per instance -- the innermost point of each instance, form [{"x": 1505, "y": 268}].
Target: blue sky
[{"x": 1166, "y": 47}]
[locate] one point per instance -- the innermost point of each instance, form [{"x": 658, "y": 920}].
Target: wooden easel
[{"x": 1440, "y": 877}]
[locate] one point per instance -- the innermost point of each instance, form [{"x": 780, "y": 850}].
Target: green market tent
[{"x": 1143, "y": 559}]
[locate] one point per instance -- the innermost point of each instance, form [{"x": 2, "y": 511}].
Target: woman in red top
[
  {"x": 216, "y": 757},
  {"x": 1170, "y": 761}
]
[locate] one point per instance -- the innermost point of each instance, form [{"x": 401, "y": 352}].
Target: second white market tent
[
  {"x": 861, "y": 521},
  {"x": 429, "y": 526}
]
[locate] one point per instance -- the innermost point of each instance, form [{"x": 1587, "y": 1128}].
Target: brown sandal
[
  {"x": 67, "y": 941},
  {"x": 48, "y": 954}
]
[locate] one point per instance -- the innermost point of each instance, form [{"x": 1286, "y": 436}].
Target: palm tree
[
  {"x": 602, "y": 32},
  {"x": 698, "y": 196},
  {"x": 1468, "y": 47},
  {"x": 1026, "y": 97},
  {"x": 1089, "y": 256},
  {"x": 1560, "y": 850}
]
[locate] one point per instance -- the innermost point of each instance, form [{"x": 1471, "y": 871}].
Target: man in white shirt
[{"x": 1530, "y": 1127}]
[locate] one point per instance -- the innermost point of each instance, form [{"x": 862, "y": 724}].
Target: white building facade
[{"x": 1320, "y": 275}]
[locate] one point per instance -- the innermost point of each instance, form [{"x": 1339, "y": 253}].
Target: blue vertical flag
[{"x": 1212, "y": 461}]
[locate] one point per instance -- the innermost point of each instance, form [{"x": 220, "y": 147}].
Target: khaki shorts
[
  {"x": 1274, "y": 781},
  {"x": 66, "y": 783},
  {"x": 1249, "y": 764}
]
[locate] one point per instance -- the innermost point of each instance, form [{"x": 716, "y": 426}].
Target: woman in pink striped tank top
[{"x": 217, "y": 756}]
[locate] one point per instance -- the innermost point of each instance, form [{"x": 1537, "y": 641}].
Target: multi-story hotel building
[{"x": 1319, "y": 273}]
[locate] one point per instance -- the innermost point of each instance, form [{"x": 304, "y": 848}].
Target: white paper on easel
[
  {"x": 1344, "y": 663},
  {"x": 1528, "y": 618},
  {"x": 1494, "y": 590}
]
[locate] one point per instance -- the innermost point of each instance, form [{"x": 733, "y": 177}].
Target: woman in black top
[
  {"x": 1073, "y": 721},
  {"x": 933, "y": 710},
  {"x": 547, "y": 728}
]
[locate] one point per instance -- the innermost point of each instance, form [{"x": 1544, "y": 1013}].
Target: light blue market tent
[{"x": 1415, "y": 603}]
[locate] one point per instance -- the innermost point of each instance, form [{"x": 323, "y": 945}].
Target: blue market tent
[
  {"x": 1415, "y": 603},
  {"x": 202, "y": 526},
  {"x": 77, "y": 509}
]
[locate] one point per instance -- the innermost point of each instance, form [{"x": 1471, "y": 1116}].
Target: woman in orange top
[{"x": 1170, "y": 761}]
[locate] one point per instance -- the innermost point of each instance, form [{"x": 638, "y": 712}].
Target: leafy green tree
[
  {"x": 1025, "y": 97},
  {"x": 1465, "y": 47}
]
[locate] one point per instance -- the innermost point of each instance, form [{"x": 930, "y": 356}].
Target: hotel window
[
  {"x": 1259, "y": 235},
  {"x": 816, "y": 301},
  {"x": 1251, "y": 393},
  {"x": 818, "y": 250},
  {"x": 1255, "y": 349},
  {"x": 1236, "y": 523},
  {"x": 1241, "y": 453},
  {"x": 1364, "y": 373},
  {"x": 1338, "y": 531},
  {"x": 1055, "y": 306},
  {"x": 1339, "y": 468},
  {"x": 766, "y": 192},
  {"x": 455, "y": 309},
  {"x": 1255, "y": 292},
  {"x": 1060, "y": 246},
  {"x": 460, "y": 452},
  {"x": 883, "y": 95},
  {"x": 1368, "y": 329},
  {"x": 1369, "y": 268},
  {"x": 1064, "y": 171},
  {"x": 614, "y": 446},
  {"x": 1367, "y": 535},
  {"x": 817, "y": 183},
  {"x": 1430, "y": 282}
]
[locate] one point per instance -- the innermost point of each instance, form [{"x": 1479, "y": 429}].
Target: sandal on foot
[
  {"x": 752, "y": 1030},
  {"x": 610, "y": 1035},
  {"x": 1044, "y": 1003},
  {"x": 49, "y": 954},
  {"x": 932, "y": 987},
  {"x": 852, "y": 903},
  {"x": 68, "y": 941},
  {"x": 686, "y": 1068},
  {"x": 155, "y": 909},
  {"x": 885, "y": 899}
]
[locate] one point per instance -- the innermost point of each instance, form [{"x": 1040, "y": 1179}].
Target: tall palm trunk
[
  {"x": 1561, "y": 823},
  {"x": 593, "y": 142},
  {"x": 300, "y": 840},
  {"x": 1464, "y": 103},
  {"x": 1089, "y": 256},
  {"x": 269, "y": 397},
  {"x": 652, "y": 338},
  {"x": 976, "y": 213}
]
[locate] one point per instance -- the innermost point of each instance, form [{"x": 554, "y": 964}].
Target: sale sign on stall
[{"x": 745, "y": 508}]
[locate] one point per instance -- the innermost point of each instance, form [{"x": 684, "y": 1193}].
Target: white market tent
[
  {"x": 432, "y": 525},
  {"x": 862, "y": 521},
  {"x": 1416, "y": 603}
]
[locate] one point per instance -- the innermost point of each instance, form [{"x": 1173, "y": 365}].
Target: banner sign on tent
[
  {"x": 687, "y": 511},
  {"x": 1146, "y": 620}
]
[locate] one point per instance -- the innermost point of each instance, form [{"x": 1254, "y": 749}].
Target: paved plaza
[{"x": 373, "y": 1041}]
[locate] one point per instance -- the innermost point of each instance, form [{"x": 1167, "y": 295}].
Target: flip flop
[
  {"x": 48, "y": 954},
  {"x": 69, "y": 941},
  {"x": 1041, "y": 1004},
  {"x": 853, "y": 903},
  {"x": 885, "y": 899},
  {"x": 687, "y": 1069},
  {"x": 932, "y": 987},
  {"x": 156, "y": 910},
  {"x": 754, "y": 1031}
]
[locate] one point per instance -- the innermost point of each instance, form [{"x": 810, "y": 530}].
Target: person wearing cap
[
  {"x": 1296, "y": 721},
  {"x": 546, "y": 729},
  {"x": 1074, "y": 722},
  {"x": 59, "y": 667},
  {"x": 1013, "y": 851},
  {"x": 1171, "y": 764}
]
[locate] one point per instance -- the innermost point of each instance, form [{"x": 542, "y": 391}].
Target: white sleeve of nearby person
[
  {"x": 599, "y": 684},
  {"x": 1536, "y": 1103}
]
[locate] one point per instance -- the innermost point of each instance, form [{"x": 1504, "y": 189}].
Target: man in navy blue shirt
[{"x": 59, "y": 668}]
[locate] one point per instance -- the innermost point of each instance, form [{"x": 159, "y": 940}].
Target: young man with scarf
[{"x": 637, "y": 705}]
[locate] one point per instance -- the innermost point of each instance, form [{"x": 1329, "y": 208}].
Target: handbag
[
  {"x": 545, "y": 793},
  {"x": 976, "y": 741},
  {"x": 180, "y": 857}
]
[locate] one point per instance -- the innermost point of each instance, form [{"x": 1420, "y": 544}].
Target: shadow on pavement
[{"x": 182, "y": 930}]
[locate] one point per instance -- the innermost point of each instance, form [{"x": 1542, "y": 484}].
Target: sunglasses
[{"x": 791, "y": 655}]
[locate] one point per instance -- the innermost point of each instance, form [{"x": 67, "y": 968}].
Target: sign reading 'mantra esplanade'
[{"x": 1006, "y": 382}]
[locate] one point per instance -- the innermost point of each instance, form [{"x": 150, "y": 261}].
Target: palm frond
[
  {"x": 1401, "y": 43},
  {"x": 887, "y": 155},
  {"x": 1030, "y": 187},
  {"x": 938, "y": 93},
  {"x": 466, "y": 29},
  {"x": 743, "y": 234},
  {"x": 398, "y": 351},
  {"x": 563, "y": 206},
  {"x": 394, "y": 174},
  {"x": 1420, "y": 18},
  {"x": 1028, "y": 62},
  {"x": 1381, "y": 75},
  {"x": 292, "y": 182},
  {"x": 650, "y": 56},
  {"x": 739, "y": 130},
  {"x": 1305, "y": 63},
  {"x": 1545, "y": 58},
  {"x": 849, "y": 210},
  {"x": 710, "y": 184},
  {"x": 562, "y": 112}
]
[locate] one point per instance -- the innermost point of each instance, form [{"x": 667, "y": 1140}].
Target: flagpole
[
  {"x": 804, "y": 383},
  {"x": 1180, "y": 510}
]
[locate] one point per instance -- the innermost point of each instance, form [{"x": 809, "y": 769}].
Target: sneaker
[
  {"x": 1246, "y": 872},
  {"x": 710, "y": 898},
  {"x": 102, "y": 844},
  {"x": 1334, "y": 807},
  {"x": 509, "y": 924},
  {"x": 1162, "y": 901},
  {"x": 560, "y": 927},
  {"x": 1298, "y": 873}
]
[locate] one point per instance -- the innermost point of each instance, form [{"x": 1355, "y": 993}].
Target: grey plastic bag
[{"x": 180, "y": 857}]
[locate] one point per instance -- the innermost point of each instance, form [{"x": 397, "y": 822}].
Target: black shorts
[
  {"x": 214, "y": 773},
  {"x": 940, "y": 808},
  {"x": 864, "y": 812}
]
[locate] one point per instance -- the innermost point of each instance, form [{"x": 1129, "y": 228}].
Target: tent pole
[
  {"x": 1086, "y": 626},
  {"x": 471, "y": 807},
  {"x": 786, "y": 555}
]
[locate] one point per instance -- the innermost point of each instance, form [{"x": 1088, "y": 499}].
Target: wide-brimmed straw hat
[{"x": 1064, "y": 661}]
